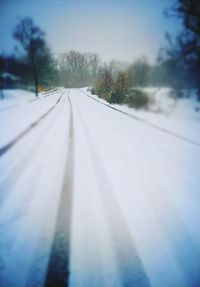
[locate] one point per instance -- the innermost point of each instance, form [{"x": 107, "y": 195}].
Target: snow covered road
[{"x": 91, "y": 197}]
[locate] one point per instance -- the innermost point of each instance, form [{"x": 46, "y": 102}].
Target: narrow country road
[{"x": 92, "y": 198}]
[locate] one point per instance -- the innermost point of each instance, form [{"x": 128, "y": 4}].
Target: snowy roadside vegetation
[
  {"x": 177, "y": 115},
  {"x": 134, "y": 87}
]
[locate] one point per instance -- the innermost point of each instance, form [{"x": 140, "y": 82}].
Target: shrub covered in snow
[
  {"x": 138, "y": 99},
  {"x": 104, "y": 84}
]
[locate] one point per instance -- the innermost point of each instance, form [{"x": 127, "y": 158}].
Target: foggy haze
[{"x": 121, "y": 30}]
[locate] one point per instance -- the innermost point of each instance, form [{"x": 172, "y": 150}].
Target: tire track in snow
[
  {"x": 146, "y": 122},
  {"x": 18, "y": 165},
  {"x": 59, "y": 263},
  {"x": 31, "y": 217},
  {"x": 8, "y": 146},
  {"x": 130, "y": 266}
]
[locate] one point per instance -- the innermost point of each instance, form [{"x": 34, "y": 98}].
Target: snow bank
[
  {"x": 13, "y": 97},
  {"x": 181, "y": 116}
]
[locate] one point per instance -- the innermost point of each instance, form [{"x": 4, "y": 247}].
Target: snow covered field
[{"x": 92, "y": 197}]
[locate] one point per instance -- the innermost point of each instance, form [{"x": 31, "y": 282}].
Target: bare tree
[
  {"x": 93, "y": 63},
  {"x": 78, "y": 69},
  {"x": 31, "y": 39},
  {"x": 188, "y": 41}
]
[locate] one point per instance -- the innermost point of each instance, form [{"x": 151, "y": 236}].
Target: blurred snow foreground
[{"x": 97, "y": 195}]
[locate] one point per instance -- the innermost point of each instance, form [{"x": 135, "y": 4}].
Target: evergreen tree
[
  {"x": 104, "y": 83},
  {"x": 120, "y": 89}
]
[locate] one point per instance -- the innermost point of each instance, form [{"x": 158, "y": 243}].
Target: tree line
[{"x": 177, "y": 65}]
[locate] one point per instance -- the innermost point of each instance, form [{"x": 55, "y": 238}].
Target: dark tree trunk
[
  {"x": 198, "y": 94},
  {"x": 1, "y": 94},
  {"x": 198, "y": 81},
  {"x": 36, "y": 85},
  {"x": 35, "y": 74}
]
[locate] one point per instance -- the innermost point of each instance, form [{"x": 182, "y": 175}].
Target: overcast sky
[{"x": 116, "y": 29}]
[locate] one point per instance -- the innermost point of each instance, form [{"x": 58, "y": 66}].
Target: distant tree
[
  {"x": 93, "y": 63},
  {"x": 73, "y": 67},
  {"x": 78, "y": 69},
  {"x": 172, "y": 67},
  {"x": 31, "y": 38},
  {"x": 116, "y": 67},
  {"x": 140, "y": 73}
]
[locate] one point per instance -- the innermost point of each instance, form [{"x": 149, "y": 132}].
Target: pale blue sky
[{"x": 120, "y": 29}]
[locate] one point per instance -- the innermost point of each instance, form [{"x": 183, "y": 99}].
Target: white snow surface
[
  {"x": 135, "y": 193},
  {"x": 181, "y": 117}
]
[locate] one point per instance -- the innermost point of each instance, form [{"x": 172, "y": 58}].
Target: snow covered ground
[
  {"x": 181, "y": 117},
  {"x": 92, "y": 197}
]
